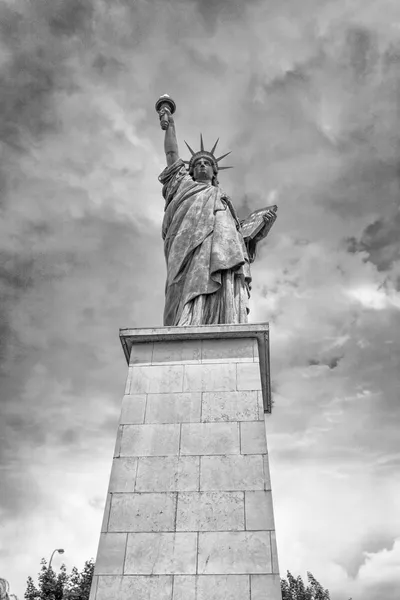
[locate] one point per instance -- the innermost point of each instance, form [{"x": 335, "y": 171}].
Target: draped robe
[{"x": 208, "y": 274}]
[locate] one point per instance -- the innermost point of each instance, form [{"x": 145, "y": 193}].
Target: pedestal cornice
[{"x": 258, "y": 331}]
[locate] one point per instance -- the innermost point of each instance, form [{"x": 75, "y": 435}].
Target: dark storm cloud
[
  {"x": 67, "y": 18},
  {"x": 29, "y": 76},
  {"x": 380, "y": 242},
  {"x": 49, "y": 277},
  {"x": 214, "y": 11},
  {"x": 16, "y": 276}
]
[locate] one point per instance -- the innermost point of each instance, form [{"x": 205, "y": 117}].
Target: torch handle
[{"x": 164, "y": 113}]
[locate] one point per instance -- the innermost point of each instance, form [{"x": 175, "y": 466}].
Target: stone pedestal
[{"x": 189, "y": 508}]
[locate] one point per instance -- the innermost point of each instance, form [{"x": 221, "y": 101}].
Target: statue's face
[{"x": 203, "y": 169}]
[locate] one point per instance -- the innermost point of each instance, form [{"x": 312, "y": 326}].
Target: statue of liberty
[{"x": 208, "y": 251}]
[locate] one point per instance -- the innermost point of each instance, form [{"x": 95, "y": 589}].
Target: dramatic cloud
[{"x": 306, "y": 96}]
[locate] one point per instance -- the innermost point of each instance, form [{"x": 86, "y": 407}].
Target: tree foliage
[
  {"x": 61, "y": 586},
  {"x": 294, "y": 589}
]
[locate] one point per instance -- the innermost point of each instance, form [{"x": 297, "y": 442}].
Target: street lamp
[{"x": 59, "y": 550}]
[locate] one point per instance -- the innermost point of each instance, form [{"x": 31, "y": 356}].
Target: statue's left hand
[{"x": 269, "y": 216}]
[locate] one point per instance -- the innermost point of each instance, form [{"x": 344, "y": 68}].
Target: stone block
[
  {"x": 274, "y": 549},
  {"x": 230, "y": 406},
  {"x": 128, "y": 380},
  {"x": 210, "y": 511},
  {"x": 212, "y": 587},
  {"x": 154, "y": 587},
  {"x": 210, "y": 438},
  {"x": 141, "y": 354},
  {"x": 231, "y": 473},
  {"x": 106, "y": 514},
  {"x": 161, "y": 553},
  {"x": 234, "y": 552},
  {"x": 248, "y": 376},
  {"x": 177, "y": 352},
  {"x": 253, "y": 438},
  {"x": 157, "y": 379},
  {"x": 228, "y": 350},
  {"x": 142, "y": 512},
  {"x": 265, "y": 587},
  {"x": 93, "y": 588},
  {"x": 168, "y": 474},
  {"x": 133, "y": 408},
  {"x": 213, "y": 377},
  {"x": 255, "y": 351},
  {"x": 173, "y": 408},
  {"x": 267, "y": 474},
  {"x": 261, "y": 415},
  {"x": 111, "y": 553},
  {"x": 150, "y": 440},
  {"x": 259, "y": 510},
  {"x": 123, "y": 474},
  {"x": 117, "y": 448}
]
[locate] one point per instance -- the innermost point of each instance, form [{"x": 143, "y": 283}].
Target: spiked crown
[{"x": 202, "y": 153}]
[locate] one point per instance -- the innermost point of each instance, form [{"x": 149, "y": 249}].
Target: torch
[{"x": 165, "y": 103}]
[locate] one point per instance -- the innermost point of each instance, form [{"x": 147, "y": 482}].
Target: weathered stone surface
[
  {"x": 210, "y": 511},
  {"x": 157, "y": 379},
  {"x": 141, "y": 354},
  {"x": 118, "y": 439},
  {"x": 212, "y": 587},
  {"x": 142, "y": 512},
  {"x": 111, "y": 553},
  {"x": 257, "y": 332},
  {"x": 123, "y": 473},
  {"x": 106, "y": 514},
  {"x": 161, "y": 553},
  {"x": 255, "y": 350},
  {"x": 191, "y": 486},
  {"x": 150, "y": 440},
  {"x": 265, "y": 587},
  {"x": 177, "y": 352},
  {"x": 259, "y": 510},
  {"x": 93, "y": 588},
  {"x": 128, "y": 380},
  {"x": 239, "y": 350},
  {"x": 173, "y": 408},
  {"x": 261, "y": 415},
  {"x": 234, "y": 552},
  {"x": 275, "y": 562},
  {"x": 131, "y": 587},
  {"x": 232, "y": 473},
  {"x": 248, "y": 376},
  {"x": 210, "y": 438},
  {"x": 230, "y": 406},
  {"x": 213, "y": 377},
  {"x": 252, "y": 438},
  {"x": 267, "y": 474},
  {"x": 168, "y": 474},
  {"x": 133, "y": 408}
]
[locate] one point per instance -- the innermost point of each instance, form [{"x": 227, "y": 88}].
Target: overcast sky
[{"x": 306, "y": 95}]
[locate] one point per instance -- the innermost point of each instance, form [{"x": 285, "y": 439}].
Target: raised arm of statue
[
  {"x": 166, "y": 107},
  {"x": 170, "y": 141}
]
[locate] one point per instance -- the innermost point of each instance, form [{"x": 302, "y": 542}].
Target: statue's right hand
[{"x": 165, "y": 118}]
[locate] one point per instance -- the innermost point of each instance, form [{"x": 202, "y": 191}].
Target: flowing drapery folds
[{"x": 208, "y": 272}]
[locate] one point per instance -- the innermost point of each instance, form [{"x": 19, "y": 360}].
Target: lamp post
[{"x": 59, "y": 550}]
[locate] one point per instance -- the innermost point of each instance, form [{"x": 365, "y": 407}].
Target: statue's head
[
  {"x": 204, "y": 169},
  {"x": 203, "y": 165}
]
